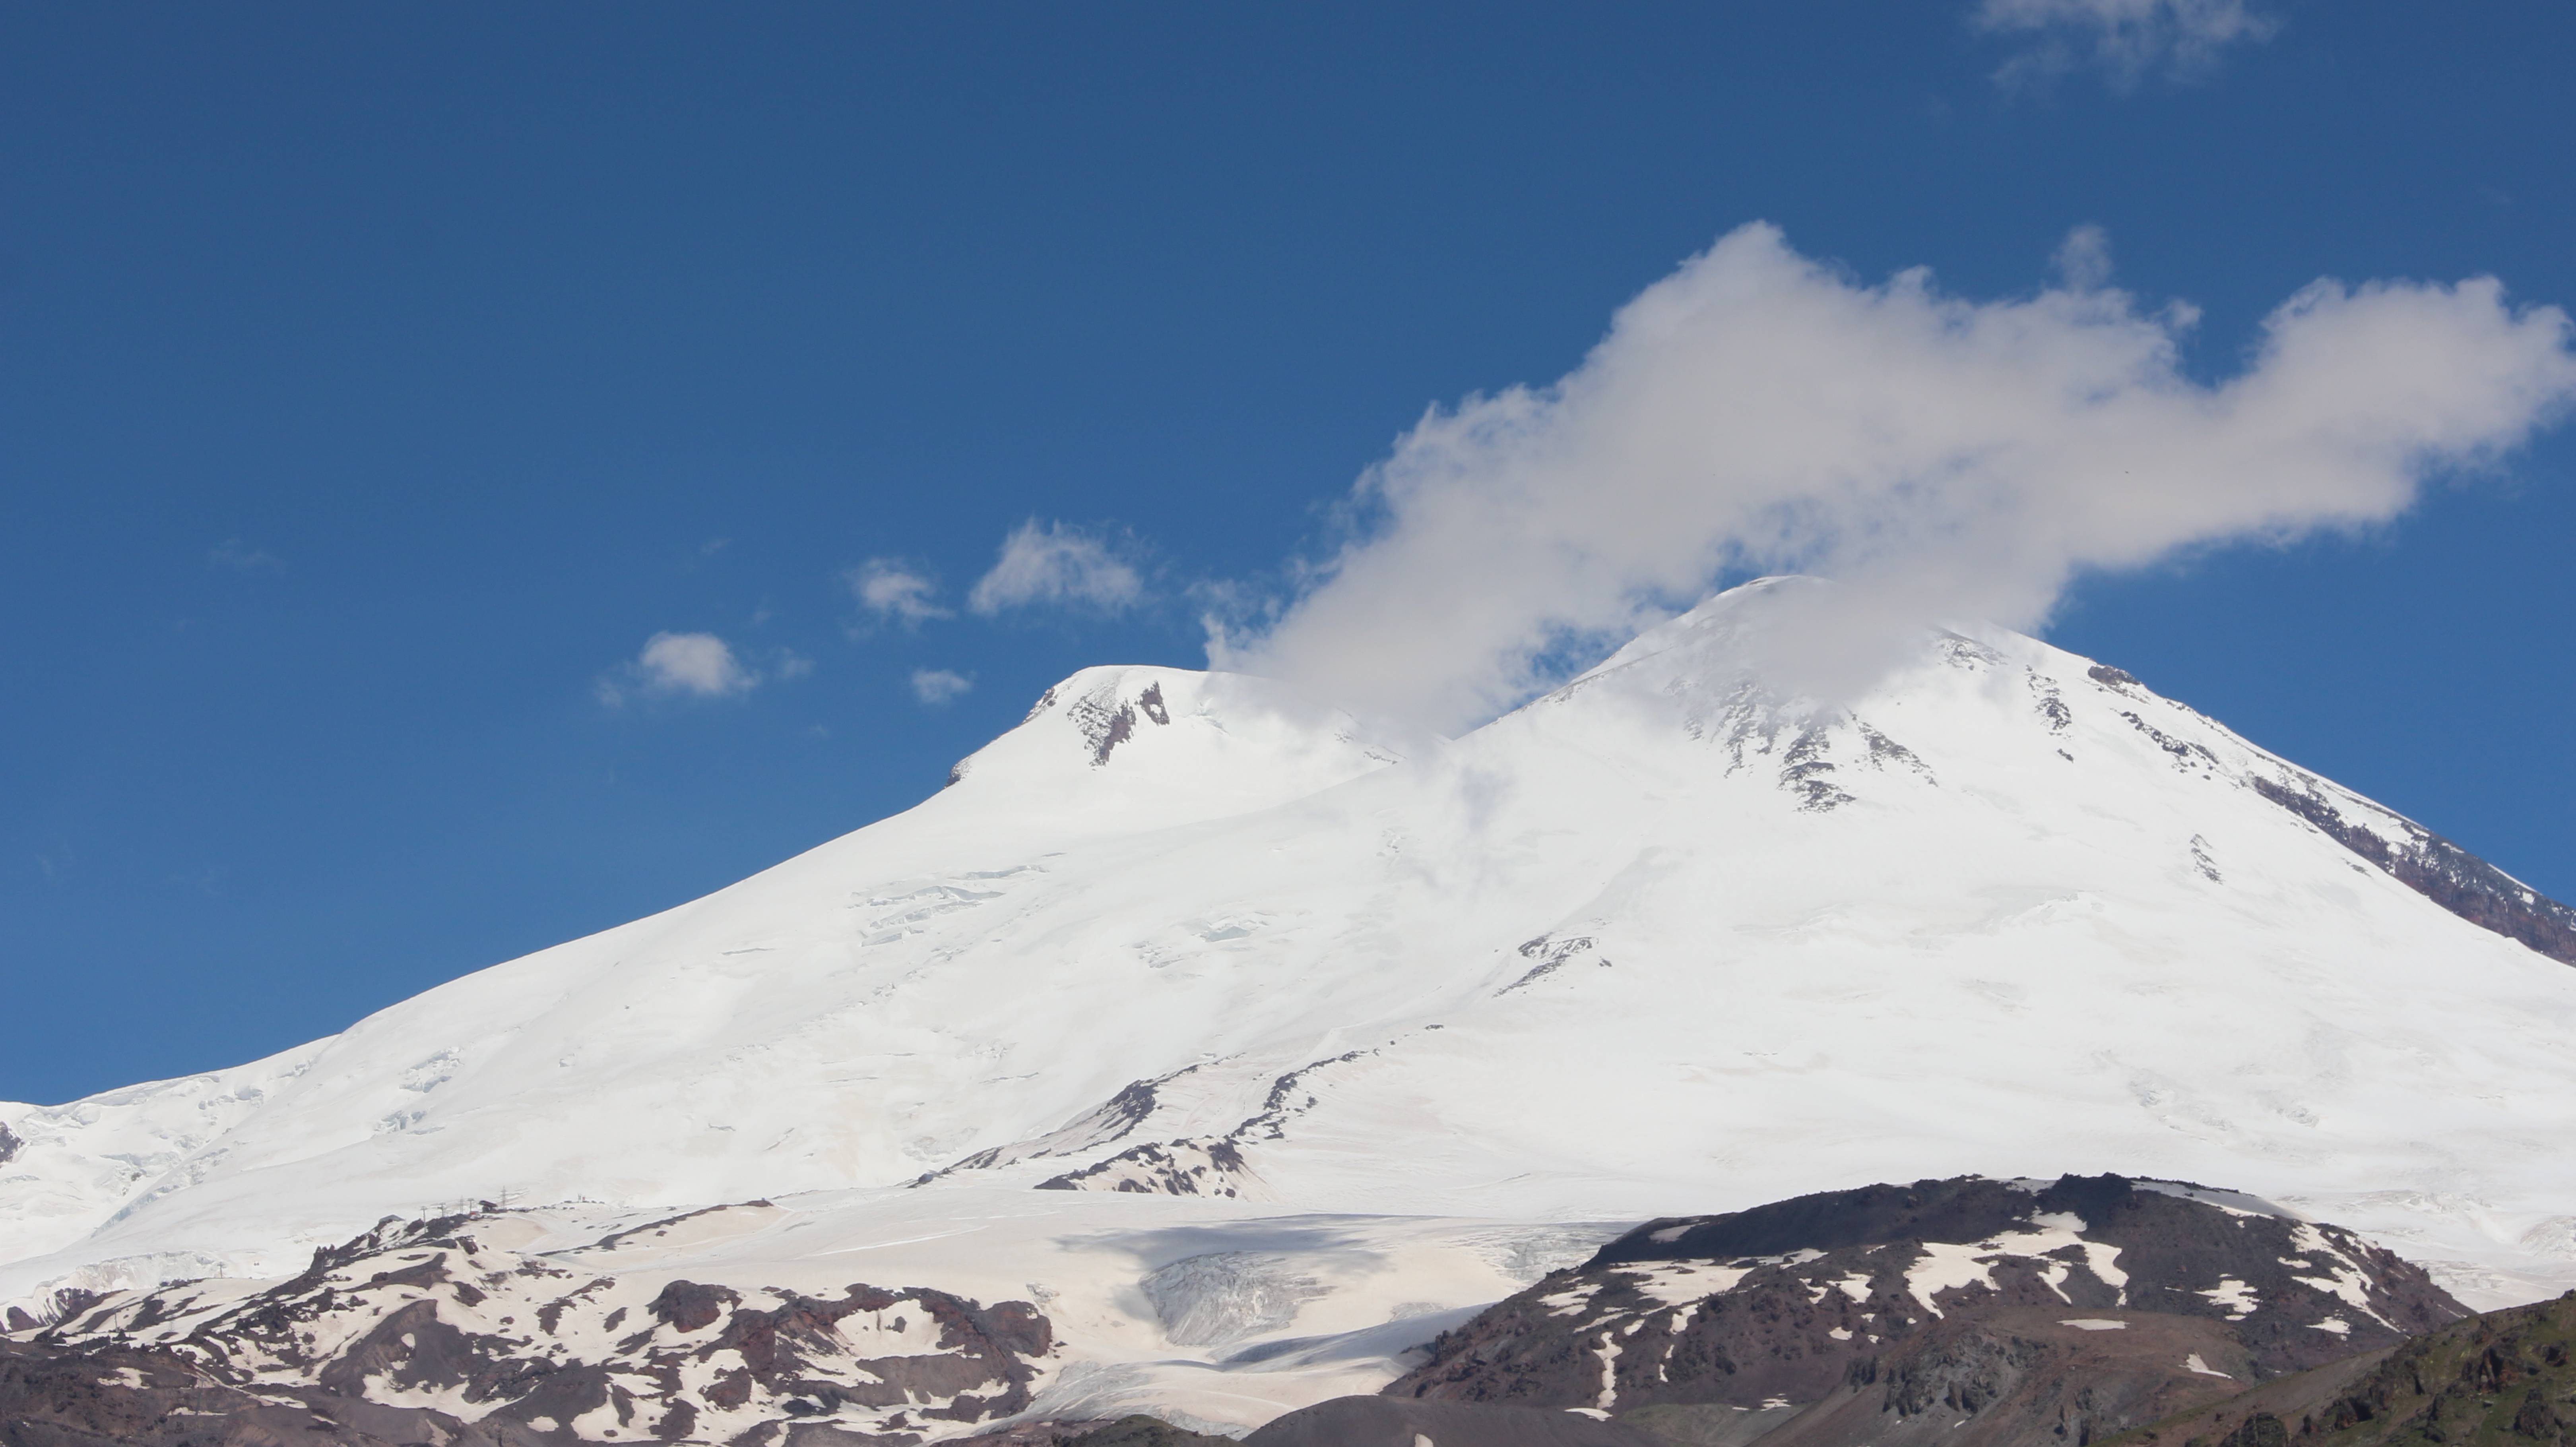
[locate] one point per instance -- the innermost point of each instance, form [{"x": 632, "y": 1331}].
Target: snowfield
[{"x": 1184, "y": 969}]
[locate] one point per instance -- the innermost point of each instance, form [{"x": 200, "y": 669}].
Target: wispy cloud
[
  {"x": 692, "y": 665},
  {"x": 895, "y": 591},
  {"x": 1055, "y": 564},
  {"x": 2127, "y": 39},
  {"x": 1761, "y": 412},
  {"x": 936, "y": 686},
  {"x": 241, "y": 557}
]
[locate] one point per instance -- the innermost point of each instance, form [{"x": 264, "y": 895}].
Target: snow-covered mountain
[{"x": 1667, "y": 941}]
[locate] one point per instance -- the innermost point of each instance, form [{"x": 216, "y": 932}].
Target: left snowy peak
[
  {"x": 700, "y": 1032},
  {"x": 1136, "y": 747}
]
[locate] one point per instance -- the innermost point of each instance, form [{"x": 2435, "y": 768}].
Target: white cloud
[
  {"x": 1758, "y": 411},
  {"x": 2127, "y": 38},
  {"x": 699, "y": 665},
  {"x": 1055, "y": 564},
  {"x": 895, "y": 590},
  {"x": 241, "y": 557},
  {"x": 935, "y": 686}
]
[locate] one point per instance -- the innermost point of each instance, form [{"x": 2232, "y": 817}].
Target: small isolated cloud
[
  {"x": 2083, "y": 260},
  {"x": 792, "y": 664},
  {"x": 694, "y": 665},
  {"x": 241, "y": 557},
  {"x": 935, "y": 686},
  {"x": 895, "y": 591},
  {"x": 2128, "y": 39},
  {"x": 1057, "y": 565},
  {"x": 1940, "y": 456}
]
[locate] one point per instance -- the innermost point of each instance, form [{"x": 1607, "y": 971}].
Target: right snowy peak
[{"x": 1834, "y": 710}]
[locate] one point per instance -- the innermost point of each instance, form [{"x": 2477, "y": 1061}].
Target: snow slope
[{"x": 1664, "y": 942}]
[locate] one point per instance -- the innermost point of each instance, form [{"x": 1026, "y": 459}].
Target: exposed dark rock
[
  {"x": 2109, "y": 677},
  {"x": 1803, "y": 771},
  {"x": 1169, "y": 1168},
  {"x": 2021, "y": 1377},
  {"x": 2052, "y": 706},
  {"x": 10, "y": 1145},
  {"x": 1151, "y": 701},
  {"x": 1201, "y": 1166},
  {"x": 1386, "y": 1422},
  {"x": 419, "y": 1307},
  {"x": 2504, "y": 1379},
  {"x": 689, "y": 1306},
  {"x": 52, "y": 1396},
  {"x": 1121, "y": 728},
  {"x": 1098, "y": 1126},
  {"x": 2536, "y": 1420},
  {"x": 2441, "y": 871},
  {"x": 1143, "y": 1431},
  {"x": 1105, "y": 722},
  {"x": 1866, "y": 1293},
  {"x": 2262, "y": 1429},
  {"x": 1884, "y": 751},
  {"x": 662, "y": 1227},
  {"x": 2186, "y": 755},
  {"x": 71, "y": 1301},
  {"x": 1020, "y": 1328},
  {"x": 1551, "y": 955}
]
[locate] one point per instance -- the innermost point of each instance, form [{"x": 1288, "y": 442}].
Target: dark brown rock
[
  {"x": 2442, "y": 872},
  {"x": 1818, "y": 1297},
  {"x": 1389, "y": 1422}
]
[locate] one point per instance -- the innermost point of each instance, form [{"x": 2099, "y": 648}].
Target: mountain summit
[{"x": 1675, "y": 937}]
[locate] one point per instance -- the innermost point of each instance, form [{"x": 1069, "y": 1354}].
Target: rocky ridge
[
  {"x": 1890, "y": 1312},
  {"x": 420, "y": 1331},
  {"x": 2503, "y": 1379}
]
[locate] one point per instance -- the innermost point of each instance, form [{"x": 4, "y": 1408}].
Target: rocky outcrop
[
  {"x": 419, "y": 1318},
  {"x": 2024, "y": 1377},
  {"x": 2505, "y": 1379},
  {"x": 2089, "y": 1303},
  {"x": 1208, "y": 1165},
  {"x": 53, "y": 1396},
  {"x": 1106, "y": 720},
  {"x": 1383, "y": 1422},
  {"x": 1162, "y": 1168},
  {"x": 2437, "y": 869}
]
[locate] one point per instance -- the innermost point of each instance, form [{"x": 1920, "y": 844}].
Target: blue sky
[{"x": 376, "y": 382}]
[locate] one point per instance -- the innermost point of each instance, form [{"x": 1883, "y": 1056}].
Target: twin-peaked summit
[{"x": 1726, "y": 919}]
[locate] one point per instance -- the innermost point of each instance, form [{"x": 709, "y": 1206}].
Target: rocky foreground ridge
[
  {"x": 1970, "y": 1311},
  {"x": 2505, "y": 1379},
  {"x": 419, "y": 1333}
]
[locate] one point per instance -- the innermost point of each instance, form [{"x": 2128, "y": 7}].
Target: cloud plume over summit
[{"x": 1761, "y": 411}]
